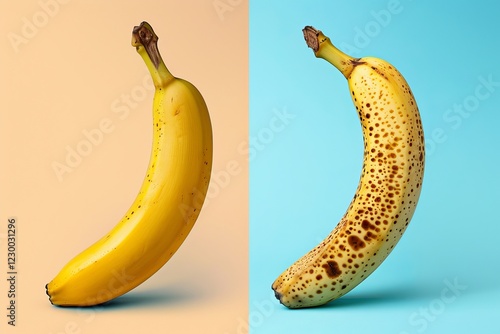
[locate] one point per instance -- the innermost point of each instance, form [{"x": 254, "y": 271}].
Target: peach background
[{"x": 63, "y": 81}]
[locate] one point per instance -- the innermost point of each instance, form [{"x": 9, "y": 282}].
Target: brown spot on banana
[
  {"x": 388, "y": 190},
  {"x": 355, "y": 242},
  {"x": 332, "y": 270}
]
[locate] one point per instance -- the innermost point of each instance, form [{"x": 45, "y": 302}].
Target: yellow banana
[
  {"x": 168, "y": 203},
  {"x": 388, "y": 190}
]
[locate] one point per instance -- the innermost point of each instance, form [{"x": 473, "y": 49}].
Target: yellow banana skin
[
  {"x": 388, "y": 190},
  {"x": 168, "y": 203}
]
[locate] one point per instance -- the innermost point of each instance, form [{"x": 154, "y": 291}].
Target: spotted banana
[{"x": 388, "y": 190}]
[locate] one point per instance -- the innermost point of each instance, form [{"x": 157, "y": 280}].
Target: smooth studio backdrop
[
  {"x": 68, "y": 71},
  {"x": 307, "y": 145}
]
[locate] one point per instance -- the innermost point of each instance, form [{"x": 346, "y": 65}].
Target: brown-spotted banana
[
  {"x": 168, "y": 203},
  {"x": 388, "y": 189}
]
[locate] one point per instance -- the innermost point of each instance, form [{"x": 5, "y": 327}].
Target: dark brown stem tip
[
  {"x": 311, "y": 37},
  {"x": 143, "y": 34}
]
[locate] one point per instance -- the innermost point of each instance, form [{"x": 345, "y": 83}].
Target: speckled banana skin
[{"x": 388, "y": 190}]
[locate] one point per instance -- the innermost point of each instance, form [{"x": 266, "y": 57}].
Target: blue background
[{"x": 306, "y": 154}]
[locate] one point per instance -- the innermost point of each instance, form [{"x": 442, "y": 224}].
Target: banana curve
[
  {"x": 169, "y": 201},
  {"x": 387, "y": 192}
]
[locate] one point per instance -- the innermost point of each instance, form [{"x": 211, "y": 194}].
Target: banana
[
  {"x": 388, "y": 189},
  {"x": 169, "y": 200}
]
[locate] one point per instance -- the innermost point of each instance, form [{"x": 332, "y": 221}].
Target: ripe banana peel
[
  {"x": 388, "y": 189},
  {"x": 169, "y": 200}
]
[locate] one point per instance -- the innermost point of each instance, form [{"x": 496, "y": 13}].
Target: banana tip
[
  {"x": 47, "y": 292},
  {"x": 278, "y": 295}
]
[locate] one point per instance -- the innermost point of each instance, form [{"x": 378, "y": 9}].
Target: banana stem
[
  {"x": 323, "y": 48},
  {"x": 145, "y": 41}
]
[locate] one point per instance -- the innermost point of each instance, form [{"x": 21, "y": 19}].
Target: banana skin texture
[
  {"x": 169, "y": 200},
  {"x": 388, "y": 190}
]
